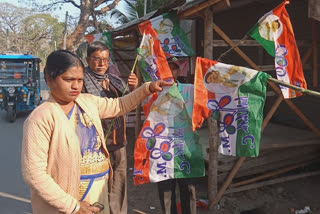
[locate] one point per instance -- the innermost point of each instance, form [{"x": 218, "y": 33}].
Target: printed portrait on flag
[
  {"x": 274, "y": 32},
  {"x": 270, "y": 27},
  {"x": 166, "y": 147},
  {"x": 237, "y": 104},
  {"x": 173, "y": 39}
]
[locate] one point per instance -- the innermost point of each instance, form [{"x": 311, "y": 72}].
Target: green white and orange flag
[
  {"x": 235, "y": 96},
  {"x": 166, "y": 147},
  {"x": 151, "y": 58},
  {"x": 274, "y": 32},
  {"x": 105, "y": 37},
  {"x": 173, "y": 39}
]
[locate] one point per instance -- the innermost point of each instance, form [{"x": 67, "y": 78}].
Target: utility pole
[
  {"x": 145, "y": 7},
  {"x": 8, "y": 42},
  {"x": 65, "y": 32}
]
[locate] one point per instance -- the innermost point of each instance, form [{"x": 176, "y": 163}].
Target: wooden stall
[{"x": 219, "y": 27}]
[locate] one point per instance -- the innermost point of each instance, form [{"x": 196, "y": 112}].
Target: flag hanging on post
[
  {"x": 151, "y": 58},
  {"x": 274, "y": 32},
  {"x": 166, "y": 147},
  {"x": 235, "y": 96},
  {"x": 173, "y": 39}
]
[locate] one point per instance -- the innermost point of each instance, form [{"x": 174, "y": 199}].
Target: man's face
[{"x": 98, "y": 61}]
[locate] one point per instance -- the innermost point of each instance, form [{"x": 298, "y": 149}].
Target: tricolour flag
[
  {"x": 167, "y": 147},
  {"x": 173, "y": 39},
  {"x": 151, "y": 58},
  {"x": 274, "y": 32},
  {"x": 105, "y": 37},
  {"x": 235, "y": 96}
]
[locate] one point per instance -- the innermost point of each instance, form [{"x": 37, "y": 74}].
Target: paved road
[{"x": 14, "y": 193}]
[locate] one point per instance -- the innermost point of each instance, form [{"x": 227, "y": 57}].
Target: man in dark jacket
[{"x": 98, "y": 81}]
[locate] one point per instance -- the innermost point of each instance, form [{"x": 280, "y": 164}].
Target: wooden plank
[
  {"x": 275, "y": 165},
  {"x": 270, "y": 174},
  {"x": 267, "y": 167},
  {"x": 269, "y": 158},
  {"x": 307, "y": 142},
  {"x": 191, "y": 11},
  {"x": 273, "y": 181}
]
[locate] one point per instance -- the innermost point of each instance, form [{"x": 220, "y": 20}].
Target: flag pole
[
  {"x": 124, "y": 90},
  {"x": 233, "y": 47},
  {"x": 296, "y": 88}
]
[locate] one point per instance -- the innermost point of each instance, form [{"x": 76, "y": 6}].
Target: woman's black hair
[
  {"x": 96, "y": 46},
  {"x": 60, "y": 61}
]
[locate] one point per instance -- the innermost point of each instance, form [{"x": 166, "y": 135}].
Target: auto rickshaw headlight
[
  {"x": 1, "y": 95},
  {"x": 24, "y": 95},
  {"x": 11, "y": 90}
]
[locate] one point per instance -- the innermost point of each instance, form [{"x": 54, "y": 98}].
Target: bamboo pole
[
  {"x": 302, "y": 90},
  {"x": 274, "y": 181},
  {"x": 229, "y": 179},
  {"x": 212, "y": 124},
  {"x": 270, "y": 174},
  {"x": 138, "y": 109},
  {"x": 271, "y": 112}
]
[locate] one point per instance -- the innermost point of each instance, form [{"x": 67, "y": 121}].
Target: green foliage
[
  {"x": 151, "y": 5},
  {"x": 24, "y": 31}
]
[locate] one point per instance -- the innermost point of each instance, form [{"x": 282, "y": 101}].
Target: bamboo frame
[
  {"x": 278, "y": 101},
  {"x": 270, "y": 174},
  {"x": 270, "y": 182}
]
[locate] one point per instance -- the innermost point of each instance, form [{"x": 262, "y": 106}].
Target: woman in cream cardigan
[{"x": 64, "y": 160}]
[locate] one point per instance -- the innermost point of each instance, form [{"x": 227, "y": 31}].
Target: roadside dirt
[{"x": 284, "y": 198}]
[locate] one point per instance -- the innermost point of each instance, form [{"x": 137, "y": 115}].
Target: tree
[
  {"x": 24, "y": 31},
  {"x": 91, "y": 15}
]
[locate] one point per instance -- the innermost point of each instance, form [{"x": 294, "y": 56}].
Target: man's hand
[
  {"x": 157, "y": 85},
  {"x": 86, "y": 208},
  {"x": 132, "y": 81}
]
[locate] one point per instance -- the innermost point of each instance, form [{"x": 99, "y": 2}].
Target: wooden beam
[
  {"x": 212, "y": 124},
  {"x": 197, "y": 8},
  {"x": 229, "y": 179},
  {"x": 271, "y": 112},
  {"x": 221, "y": 5},
  {"x": 310, "y": 142},
  {"x": 231, "y": 44},
  {"x": 274, "y": 181},
  {"x": 306, "y": 56},
  {"x": 270, "y": 174}
]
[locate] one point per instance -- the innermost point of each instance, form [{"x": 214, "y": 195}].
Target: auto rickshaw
[{"x": 19, "y": 83}]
